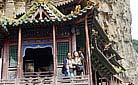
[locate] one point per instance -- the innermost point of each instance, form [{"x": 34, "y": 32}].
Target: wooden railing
[
  {"x": 38, "y": 74},
  {"x": 7, "y": 82},
  {"x": 77, "y": 80},
  {"x": 36, "y": 81},
  {"x": 47, "y": 80}
]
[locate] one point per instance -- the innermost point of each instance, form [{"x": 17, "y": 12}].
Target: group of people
[{"x": 73, "y": 64}]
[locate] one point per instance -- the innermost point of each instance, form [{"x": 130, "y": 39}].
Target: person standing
[
  {"x": 68, "y": 64},
  {"x": 78, "y": 63}
]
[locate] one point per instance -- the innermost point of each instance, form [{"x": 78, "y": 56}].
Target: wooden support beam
[
  {"x": 101, "y": 81},
  {"x": 1, "y": 63},
  {"x": 19, "y": 65},
  {"x": 95, "y": 72},
  {"x": 35, "y": 14},
  {"x": 81, "y": 19},
  {"x": 73, "y": 42},
  {"x": 40, "y": 11},
  {"x": 54, "y": 54},
  {"x": 5, "y": 59},
  {"x": 88, "y": 56}
]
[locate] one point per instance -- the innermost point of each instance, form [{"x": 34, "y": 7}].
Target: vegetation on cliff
[{"x": 135, "y": 44}]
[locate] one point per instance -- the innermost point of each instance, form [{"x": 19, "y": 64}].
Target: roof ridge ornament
[
  {"x": 41, "y": 1},
  {"x": 44, "y": 1},
  {"x": 90, "y": 2},
  {"x": 78, "y": 8}
]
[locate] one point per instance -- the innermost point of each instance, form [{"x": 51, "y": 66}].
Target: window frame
[{"x": 15, "y": 54}]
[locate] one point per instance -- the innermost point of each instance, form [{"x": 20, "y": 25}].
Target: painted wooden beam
[{"x": 88, "y": 56}]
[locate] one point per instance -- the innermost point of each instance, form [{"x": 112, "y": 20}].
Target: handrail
[
  {"x": 79, "y": 80},
  {"x": 38, "y": 72}
]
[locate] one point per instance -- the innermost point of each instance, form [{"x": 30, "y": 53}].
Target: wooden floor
[{"x": 77, "y": 80}]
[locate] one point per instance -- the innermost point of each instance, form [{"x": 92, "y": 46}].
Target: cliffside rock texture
[{"x": 115, "y": 18}]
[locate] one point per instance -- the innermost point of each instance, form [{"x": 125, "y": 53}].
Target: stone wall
[
  {"x": 115, "y": 18},
  {"x": 11, "y": 8}
]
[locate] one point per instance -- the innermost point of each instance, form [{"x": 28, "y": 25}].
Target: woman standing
[
  {"x": 78, "y": 63},
  {"x": 68, "y": 64}
]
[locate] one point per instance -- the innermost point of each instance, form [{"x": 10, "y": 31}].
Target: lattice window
[
  {"x": 12, "y": 74},
  {"x": 13, "y": 56},
  {"x": 62, "y": 49},
  {"x": 37, "y": 32},
  {"x": 13, "y": 34}
]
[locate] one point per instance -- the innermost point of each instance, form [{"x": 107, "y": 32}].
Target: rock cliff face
[{"x": 115, "y": 18}]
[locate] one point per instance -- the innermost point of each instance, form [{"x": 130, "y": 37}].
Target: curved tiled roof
[
  {"x": 103, "y": 65},
  {"x": 61, "y": 2}
]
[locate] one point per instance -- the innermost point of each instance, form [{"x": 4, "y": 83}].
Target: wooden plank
[{"x": 88, "y": 52}]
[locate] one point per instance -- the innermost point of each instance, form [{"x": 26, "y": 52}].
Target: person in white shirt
[
  {"x": 78, "y": 63},
  {"x": 68, "y": 63}
]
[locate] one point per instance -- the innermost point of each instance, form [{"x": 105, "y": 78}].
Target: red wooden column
[
  {"x": 88, "y": 56},
  {"x": 54, "y": 54},
  {"x": 5, "y": 57},
  {"x": 1, "y": 63},
  {"x": 19, "y": 65}
]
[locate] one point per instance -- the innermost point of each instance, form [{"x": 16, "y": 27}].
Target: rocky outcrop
[
  {"x": 1, "y": 7},
  {"x": 9, "y": 9},
  {"x": 115, "y": 18},
  {"x": 14, "y": 8}
]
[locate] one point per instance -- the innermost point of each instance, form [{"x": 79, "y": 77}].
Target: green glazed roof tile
[{"x": 53, "y": 14}]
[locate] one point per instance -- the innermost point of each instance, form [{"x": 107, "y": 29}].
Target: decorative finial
[
  {"x": 77, "y": 8},
  {"x": 97, "y": 5},
  {"x": 90, "y": 2},
  {"x": 41, "y": 1}
]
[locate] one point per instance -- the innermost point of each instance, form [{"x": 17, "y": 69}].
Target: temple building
[{"x": 35, "y": 40}]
